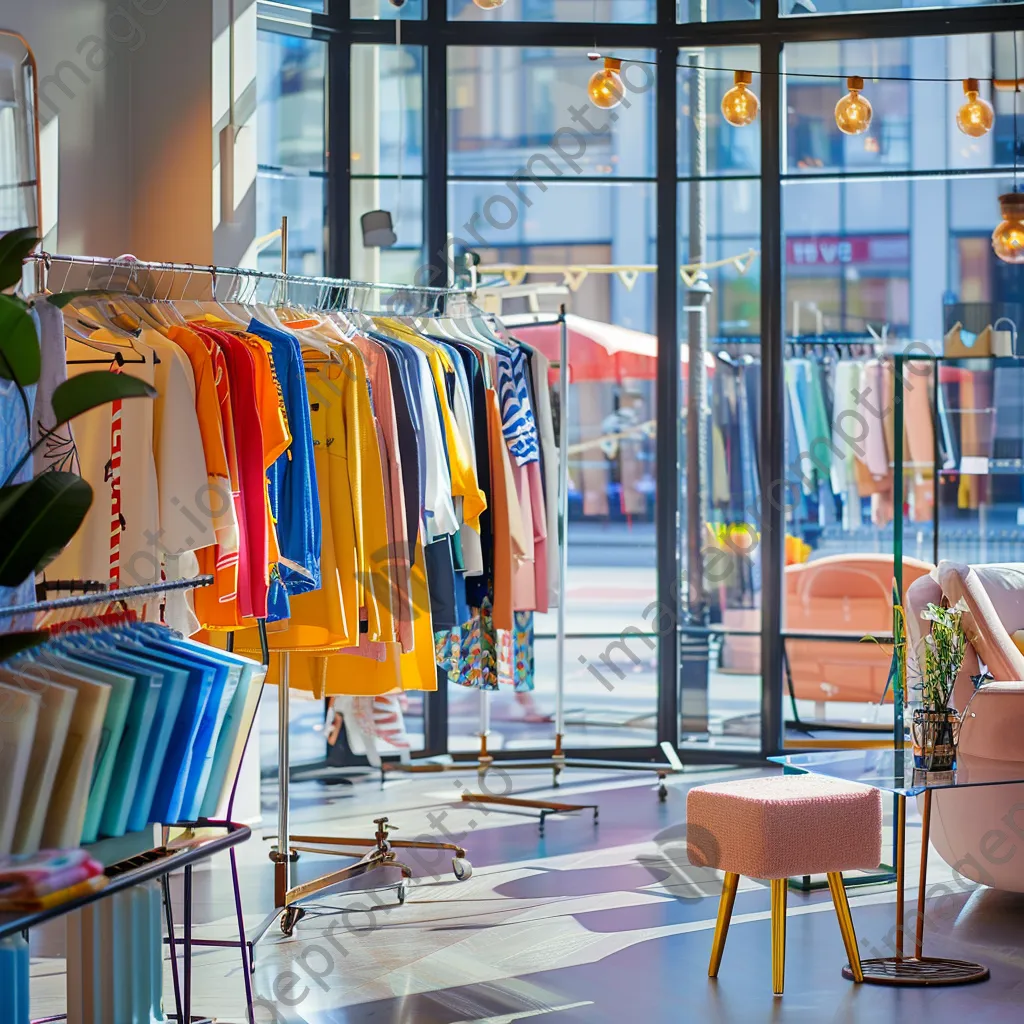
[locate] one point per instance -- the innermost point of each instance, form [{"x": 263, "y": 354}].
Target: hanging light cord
[
  {"x": 803, "y": 74},
  {"x": 1016, "y": 93}
]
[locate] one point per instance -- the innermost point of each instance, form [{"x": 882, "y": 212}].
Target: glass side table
[{"x": 892, "y": 771}]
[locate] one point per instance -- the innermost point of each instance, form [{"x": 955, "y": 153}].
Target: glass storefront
[{"x": 799, "y": 262}]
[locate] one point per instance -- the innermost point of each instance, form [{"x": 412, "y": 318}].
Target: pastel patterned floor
[{"x": 591, "y": 923}]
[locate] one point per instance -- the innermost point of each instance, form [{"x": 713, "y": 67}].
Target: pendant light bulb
[
  {"x": 488, "y": 5},
  {"x": 1008, "y": 237},
  {"x": 739, "y": 104},
  {"x": 975, "y": 117},
  {"x": 605, "y": 86},
  {"x": 853, "y": 111}
]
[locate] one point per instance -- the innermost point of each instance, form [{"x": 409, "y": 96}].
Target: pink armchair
[{"x": 980, "y": 832}]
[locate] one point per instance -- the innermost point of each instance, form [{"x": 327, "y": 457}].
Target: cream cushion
[{"x": 994, "y": 597}]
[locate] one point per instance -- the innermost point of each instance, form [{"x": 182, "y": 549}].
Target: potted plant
[{"x": 935, "y": 725}]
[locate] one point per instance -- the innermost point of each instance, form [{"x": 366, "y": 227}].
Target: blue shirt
[{"x": 294, "y": 499}]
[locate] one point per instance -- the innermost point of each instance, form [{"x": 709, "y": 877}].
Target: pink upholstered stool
[{"x": 780, "y": 826}]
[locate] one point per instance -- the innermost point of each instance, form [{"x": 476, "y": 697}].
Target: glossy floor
[{"x": 590, "y": 923}]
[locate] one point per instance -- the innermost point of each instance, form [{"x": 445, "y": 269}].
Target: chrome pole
[{"x": 563, "y": 525}]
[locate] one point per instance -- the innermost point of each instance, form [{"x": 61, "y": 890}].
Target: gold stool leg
[
  {"x": 779, "y": 890},
  {"x": 725, "y": 905},
  {"x": 842, "y": 905}
]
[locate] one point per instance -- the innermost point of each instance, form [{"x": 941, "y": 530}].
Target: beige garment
[
  {"x": 400, "y": 546},
  {"x": 118, "y": 542},
  {"x": 70, "y": 795}
]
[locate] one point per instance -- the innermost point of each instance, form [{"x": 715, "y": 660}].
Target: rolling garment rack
[
  {"x": 145, "y": 280},
  {"x": 157, "y": 863},
  {"x": 341, "y": 295},
  {"x": 558, "y": 761}
]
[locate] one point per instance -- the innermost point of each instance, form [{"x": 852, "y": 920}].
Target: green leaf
[
  {"x": 14, "y": 247},
  {"x": 88, "y": 390},
  {"x": 61, "y": 299},
  {"x": 12, "y": 643},
  {"x": 19, "y": 345},
  {"x": 37, "y": 519}
]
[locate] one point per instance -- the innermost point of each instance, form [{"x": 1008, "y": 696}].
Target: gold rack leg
[
  {"x": 725, "y": 905},
  {"x": 779, "y": 889},
  {"x": 842, "y": 905},
  {"x": 408, "y": 844},
  {"x": 901, "y": 867},
  {"x": 306, "y": 889},
  {"x": 926, "y": 828}
]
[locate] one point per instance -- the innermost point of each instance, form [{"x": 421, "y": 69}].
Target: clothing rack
[
  {"x": 557, "y": 762},
  {"x": 804, "y": 344},
  {"x": 146, "y": 279}
]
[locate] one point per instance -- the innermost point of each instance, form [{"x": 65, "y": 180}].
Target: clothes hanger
[
  {"x": 126, "y": 311},
  {"x": 266, "y": 311},
  {"x": 184, "y": 307},
  {"x": 322, "y": 335},
  {"x": 302, "y": 318},
  {"x": 155, "y": 311},
  {"x": 79, "y": 326},
  {"x": 76, "y": 325},
  {"x": 221, "y": 313}
]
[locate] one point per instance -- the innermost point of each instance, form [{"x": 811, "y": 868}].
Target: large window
[
  {"x": 291, "y": 148},
  {"x": 542, "y": 186},
  {"x": 744, "y": 270},
  {"x": 719, "y": 228},
  {"x": 387, "y": 159}
]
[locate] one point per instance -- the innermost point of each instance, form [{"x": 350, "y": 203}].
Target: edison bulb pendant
[
  {"x": 605, "y": 86},
  {"x": 853, "y": 111},
  {"x": 488, "y": 5},
  {"x": 975, "y": 117},
  {"x": 1008, "y": 237},
  {"x": 739, "y": 104}
]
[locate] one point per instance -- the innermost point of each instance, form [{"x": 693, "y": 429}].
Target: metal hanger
[{"x": 82, "y": 329}]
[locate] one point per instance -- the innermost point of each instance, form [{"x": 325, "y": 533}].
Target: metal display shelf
[{"x": 155, "y": 864}]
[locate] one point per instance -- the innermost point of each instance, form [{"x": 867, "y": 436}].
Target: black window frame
[{"x": 770, "y": 33}]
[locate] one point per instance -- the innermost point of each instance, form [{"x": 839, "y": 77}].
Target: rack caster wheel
[
  {"x": 462, "y": 869},
  {"x": 290, "y": 918},
  {"x": 662, "y": 792}
]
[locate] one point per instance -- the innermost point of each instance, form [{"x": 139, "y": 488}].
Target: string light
[
  {"x": 739, "y": 104},
  {"x": 976, "y": 116},
  {"x": 1008, "y": 237},
  {"x": 853, "y": 111},
  {"x": 605, "y": 86}
]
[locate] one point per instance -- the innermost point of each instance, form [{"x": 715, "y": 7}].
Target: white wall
[
  {"x": 128, "y": 106},
  {"x": 133, "y": 95}
]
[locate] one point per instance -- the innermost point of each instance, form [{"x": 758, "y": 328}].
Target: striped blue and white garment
[{"x": 517, "y": 420}]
